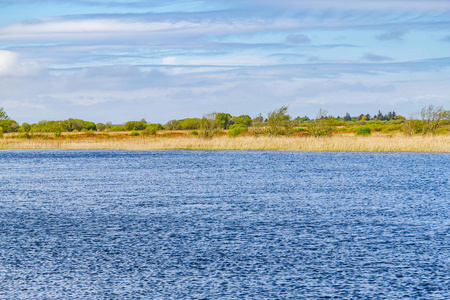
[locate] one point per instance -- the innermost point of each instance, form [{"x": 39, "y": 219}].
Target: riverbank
[{"x": 347, "y": 143}]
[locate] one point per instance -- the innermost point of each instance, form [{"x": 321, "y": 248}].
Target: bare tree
[
  {"x": 431, "y": 119},
  {"x": 209, "y": 126}
]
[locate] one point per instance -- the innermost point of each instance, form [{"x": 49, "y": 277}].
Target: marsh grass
[{"x": 340, "y": 142}]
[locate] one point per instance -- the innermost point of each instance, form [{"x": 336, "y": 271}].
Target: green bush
[
  {"x": 100, "y": 126},
  {"x": 9, "y": 125},
  {"x": 194, "y": 132},
  {"x": 392, "y": 127},
  {"x": 134, "y": 133},
  {"x": 151, "y": 129},
  {"x": 25, "y": 135},
  {"x": 1, "y": 131},
  {"x": 236, "y": 129},
  {"x": 135, "y": 125},
  {"x": 25, "y": 127},
  {"x": 365, "y": 130},
  {"x": 117, "y": 128},
  {"x": 187, "y": 124}
]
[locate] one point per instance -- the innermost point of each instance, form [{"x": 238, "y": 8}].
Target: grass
[{"x": 377, "y": 142}]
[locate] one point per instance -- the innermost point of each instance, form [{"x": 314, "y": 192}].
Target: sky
[{"x": 126, "y": 60}]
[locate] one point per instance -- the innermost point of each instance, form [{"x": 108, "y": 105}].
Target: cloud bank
[{"x": 122, "y": 60}]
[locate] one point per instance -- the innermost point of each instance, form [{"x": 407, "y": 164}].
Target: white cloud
[
  {"x": 11, "y": 65},
  {"x": 365, "y": 5},
  {"x": 169, "y": 60}
]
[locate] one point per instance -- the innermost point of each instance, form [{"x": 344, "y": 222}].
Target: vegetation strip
[{"x": 426, "y": 132}]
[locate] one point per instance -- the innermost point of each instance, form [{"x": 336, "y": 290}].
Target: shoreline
[{"x": 335, "y": 143}]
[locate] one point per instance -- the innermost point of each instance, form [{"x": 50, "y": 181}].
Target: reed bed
[{"x": 348, "y": 143}]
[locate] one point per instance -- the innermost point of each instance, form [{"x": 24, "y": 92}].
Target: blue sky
[{"x": 160, "y": 60}]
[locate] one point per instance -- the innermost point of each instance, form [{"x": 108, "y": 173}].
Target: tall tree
[
  {"x": 347, "y": 117},
  {"x": 223, "y": 120},
  {"x": 3, "y": 114},
  {"x": 279, "y": 122},
  {"x": 209, "y": 125}
]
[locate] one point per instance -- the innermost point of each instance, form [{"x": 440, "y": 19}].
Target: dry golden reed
[{"x": 349, "y": 143}]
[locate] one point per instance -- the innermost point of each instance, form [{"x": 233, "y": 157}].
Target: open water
[{"x": 224, "y": 225}]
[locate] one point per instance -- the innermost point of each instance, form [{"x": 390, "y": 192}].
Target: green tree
[
  {"x": 189, "y": 124},
  {"x": 9, "y": 125},
  {"x": 100, "y": 126},
  {"x": 236, "y": 129},
  {"x": 323, "y": 125},
  {"x": 25, "y": 127},
  {"x": 279, "y": 122},
  {"x": 243, "y": 119},
  {"x": 172, "y": 124},
  {"x": 135, "y": 125},
  {"x": 223, "y": 120},
  {"x": 3, "y": 114},
  {"x": 347, "y": 117},
  {"x": 89, "y": 125},
  {"x": 73, "y": 124}
]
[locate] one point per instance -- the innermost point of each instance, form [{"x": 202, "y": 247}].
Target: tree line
[{"x": 278, "y": 122}]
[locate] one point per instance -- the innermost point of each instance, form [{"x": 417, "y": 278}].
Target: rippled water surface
[{"x": 224, "y": 225}]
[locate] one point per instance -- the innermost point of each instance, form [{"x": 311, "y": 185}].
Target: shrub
[
  {"x": 117, "y": 128},
  {"x": 236, "y": 129},
  {"x": 73, "y": 124},
  {"x": 172, "y": 124},
  {"x": 1, "y": 132},
  {"x": 135, "y": 125},
  {"x": 25, "y": 127},
  {"x": 365, "y": 130},
  {"x": 187, "y": 124},
  {"x": 134, "y": 133},
  {"x": 25, "y": 135},
  {"x": 323, "y": 125},
  {"x": 100, "y": 126},
  {"x": 151, "y": 129},
  {"x": 89, "y": 125},
  {"x": 432, "y": 119},
  {"x": 9, "y": 125},
  {"x": 194, "y": 132}
]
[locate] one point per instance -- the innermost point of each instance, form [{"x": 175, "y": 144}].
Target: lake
[{"x": 224, "y": 225}]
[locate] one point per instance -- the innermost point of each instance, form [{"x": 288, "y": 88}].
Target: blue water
[{"x": 224, "y": 225}]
